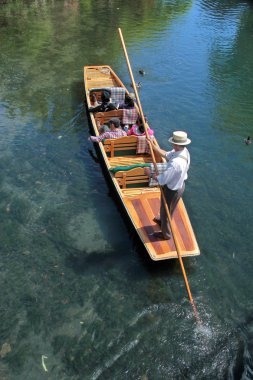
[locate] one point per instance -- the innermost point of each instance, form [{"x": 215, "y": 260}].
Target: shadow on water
[
  {"x": 83, "y": 262},
  {"x": 93, "y": 156}
]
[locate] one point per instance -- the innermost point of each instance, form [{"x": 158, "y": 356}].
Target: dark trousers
[{"x": 172, "y": 197}]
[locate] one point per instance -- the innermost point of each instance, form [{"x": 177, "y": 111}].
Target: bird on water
[
  {"x": 138, "y": 85},
  {"x": 247, "y": 140}
]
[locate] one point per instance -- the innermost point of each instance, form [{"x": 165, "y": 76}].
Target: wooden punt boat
[{"x": 140, "y": 201}]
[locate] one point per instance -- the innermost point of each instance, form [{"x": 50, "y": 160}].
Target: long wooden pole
[{"x": 162, "y": 193}]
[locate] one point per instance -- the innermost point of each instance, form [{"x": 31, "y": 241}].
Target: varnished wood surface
[
  {"x": 129, "y": 160},
  {"x": 141, "y": 203},
  {"x": 143, "y": 209}
]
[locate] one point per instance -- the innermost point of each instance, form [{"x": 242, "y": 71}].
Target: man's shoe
[
  {"x": 157, "y": 221},
  {"x": 159, "y": 236}
]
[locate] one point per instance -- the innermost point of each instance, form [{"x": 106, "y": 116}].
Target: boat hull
[{"x": 141, "y": 203}]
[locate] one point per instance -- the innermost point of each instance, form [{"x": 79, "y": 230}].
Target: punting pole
[{"x": 162, "y": 193}]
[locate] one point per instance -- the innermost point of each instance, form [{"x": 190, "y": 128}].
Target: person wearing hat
[
  {"x": 114, "y": 133},
  {"x": 129, "y": 102},
  {"x": 106, "y": 104},
  {"x": 172, "y": 180}
]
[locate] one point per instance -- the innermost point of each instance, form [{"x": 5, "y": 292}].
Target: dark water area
[{"x": 77, "y": 290}]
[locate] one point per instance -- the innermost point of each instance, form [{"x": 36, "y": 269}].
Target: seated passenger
[
  {"x": 102, "y": 128},
  {"x": 129, "y": 102},
  {"x": 114, "y": 133},
  {"x": 106, "y": 104},
  {"x": 138, "y": 129}
]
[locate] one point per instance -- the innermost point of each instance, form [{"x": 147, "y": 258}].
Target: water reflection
[
  {"x": 38, "y": 59},
  {"x": 229, "y": 63}
]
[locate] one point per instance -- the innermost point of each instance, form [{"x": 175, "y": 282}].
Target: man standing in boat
[{"x": 172, "y": 180}]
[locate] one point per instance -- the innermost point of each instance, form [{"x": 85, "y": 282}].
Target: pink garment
[{"x": 134, "y": 131}]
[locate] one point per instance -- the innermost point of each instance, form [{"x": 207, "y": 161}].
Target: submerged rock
[{"x": 6, "y": 348}]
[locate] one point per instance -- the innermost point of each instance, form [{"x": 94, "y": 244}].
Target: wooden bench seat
[
  {"x": 117, "y": 93},
  {"x": 97, "y": 92},
  {"x": 122, "y": 152},
  {"x": 126, "y": 145},
  {"x": 104, "y": 117},
  {"x": 132, "y": 178},
  {"x": 95, "y": 82},
  {"x": 129, "y": 160}
]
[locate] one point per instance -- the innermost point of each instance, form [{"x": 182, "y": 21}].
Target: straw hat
[
  {"x": 131, "y": 95},
  {"x": 179, "y": 138}
]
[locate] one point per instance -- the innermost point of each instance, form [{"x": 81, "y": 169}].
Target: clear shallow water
[{"x": 75, "y": 284}]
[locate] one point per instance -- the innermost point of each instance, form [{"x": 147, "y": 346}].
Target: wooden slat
[
  {"x": 104, "y": 117},
  {"x": 130, "y": 192},
  {"x": 129, "y": 160},
  {"x": 132, "y": 177},
  {"x": 92, "y": 83},
  {"x": 97, "y": 75},
  {"x": 121, "y": 144}
]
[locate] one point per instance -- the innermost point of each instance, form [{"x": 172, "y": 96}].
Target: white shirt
[{"x": 176, "y": 171}]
